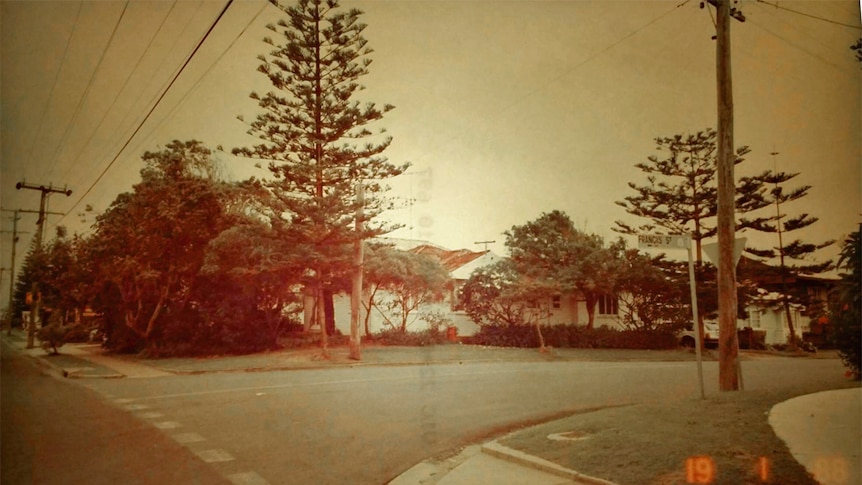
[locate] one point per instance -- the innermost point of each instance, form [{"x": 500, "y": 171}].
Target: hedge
[{"x": 573, "y": 336}]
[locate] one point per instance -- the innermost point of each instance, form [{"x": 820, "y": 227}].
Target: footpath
[{"x": 823, "y": 431}]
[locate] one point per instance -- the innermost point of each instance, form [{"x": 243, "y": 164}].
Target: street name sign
[
  {"x": 681, "y": 241},
  {"x": 672, "y": 241}
]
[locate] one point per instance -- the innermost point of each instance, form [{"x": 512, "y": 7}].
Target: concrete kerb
[{"x": 495, "y": 449}]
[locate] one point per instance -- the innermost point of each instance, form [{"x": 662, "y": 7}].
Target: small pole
[
  {"x": 697, "y": 336},
  {"x": 356, "y": 290}
]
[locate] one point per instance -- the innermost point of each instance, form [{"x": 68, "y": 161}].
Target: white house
[{"x": 460, "y": 263}]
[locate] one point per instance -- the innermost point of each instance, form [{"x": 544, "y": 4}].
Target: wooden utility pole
[
  {"x": 728, "y": 350},
  {"x": 15, "y": 219},
  {"x": 40, "y": 224},
  {"x": 486, "y": 243},
  {"x": 356, "y": 290}
]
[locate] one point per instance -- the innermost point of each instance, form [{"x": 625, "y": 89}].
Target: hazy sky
[{"x": 506, "y": 109}]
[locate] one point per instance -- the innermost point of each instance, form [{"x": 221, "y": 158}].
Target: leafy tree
[
  {"x": 410, "y": 280},
  {"x": 250, "y": 278},
  {"x": 309, "y": 128},
  {"x": 793, "y": 257},
  {"x": 651, "y": 291},
  {"x": 499, "y": 295},
  {"x": 552, "y": 253},
  {"x": 846, "y": 306},
  {"x": 151, "y": 242}
]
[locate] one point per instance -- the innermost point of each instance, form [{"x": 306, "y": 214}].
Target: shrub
[
  {"x": 52, "y": 337},
  {"x": 573, "y": 336},
  {"x": 421, "y": 338}
]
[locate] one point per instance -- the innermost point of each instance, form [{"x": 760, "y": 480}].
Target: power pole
[
  {"x": 15, "y": 219},
  {"x": 37, "y": 296},
  {"x": 729, "y": 375},
  {"x": 356, "y": 290},
  {"x": 486, "y": 243}
]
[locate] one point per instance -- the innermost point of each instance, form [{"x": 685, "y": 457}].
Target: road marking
[
  {"x": 167, "y": 425},
  {"x": 214, "y": 456},
  {"x": 247, "y": 478},
  {"x": 185, "y": 438}
]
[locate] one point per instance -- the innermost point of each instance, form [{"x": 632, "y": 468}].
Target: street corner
[
  {"x": 72, "y": 367},
  {"x": 433, "y": 470}
]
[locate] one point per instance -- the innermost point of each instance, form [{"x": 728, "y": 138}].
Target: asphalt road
[
  {"x": 54, "y": 431},
  {"x": 366, "y": 425}
]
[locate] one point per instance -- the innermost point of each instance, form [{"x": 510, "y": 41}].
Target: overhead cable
[
  {"x": 150, "y": 112},
  {"x": 822, "y": 19},
  {"x": 87, "y": 90},
  {"x": 119, "y": 91}
]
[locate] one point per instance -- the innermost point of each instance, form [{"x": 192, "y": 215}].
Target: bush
[
  {"x": 421, "y": 338},
  {"x": 573, "y": 336},
  {"x": 52, "y": 337}
]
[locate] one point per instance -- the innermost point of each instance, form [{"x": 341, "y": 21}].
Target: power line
[
  {"x": 822, "y": 19},
  {"x": 799, "y": 47},
  {"x": 89, "y": 87},
  {"x": 150, "y": 112},
  {"x": 141, "y": 92},
  {"x": 120, "y": 91},
  {"x": 186, "y": 97},
  {"x": 56, "y": 81}
]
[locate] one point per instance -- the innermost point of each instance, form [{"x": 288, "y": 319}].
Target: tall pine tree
[
  {"x": 793, "y": 257},
  {"x": 310, "y": 128}
]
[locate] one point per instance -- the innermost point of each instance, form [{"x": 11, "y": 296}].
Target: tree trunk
[
  {"x": 324, "y": 339},
  {"x": 591, "y": 301},
  {"x": 541, "y": 338},
  {"x": 329, "y": 311}
]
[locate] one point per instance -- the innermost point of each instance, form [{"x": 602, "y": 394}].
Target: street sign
[
  {"x": 711, "y": 250},
  {"x": 681, "y": 241},
  {"x": 671, "y": 241}
]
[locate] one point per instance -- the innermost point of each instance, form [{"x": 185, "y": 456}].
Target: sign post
[{"x": 681, "y": 241}]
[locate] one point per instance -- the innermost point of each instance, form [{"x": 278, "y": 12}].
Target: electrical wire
[
  {"x": 822, "y": 19},
  {"x": 147, "y": 117},
  {"x": 800, "y": 48},
  {"x": 120, "y": 91},
  {"x": 56, "y": 81},
  {"x": 793, "y": 26},
  {"x": 187, "y": 96},
  {"x": 87, "y": 90},
  {"x": 152, "y": 100}
]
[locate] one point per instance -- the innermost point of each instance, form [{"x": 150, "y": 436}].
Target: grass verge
[{"x": 675, "y": 442}]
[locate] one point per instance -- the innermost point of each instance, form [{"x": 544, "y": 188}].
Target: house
[
  {"x": 460, "y": 264},
  {"x": 766, "y": 311}
]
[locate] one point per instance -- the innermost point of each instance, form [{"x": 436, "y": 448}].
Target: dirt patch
[{"x": 725, "y": 437}]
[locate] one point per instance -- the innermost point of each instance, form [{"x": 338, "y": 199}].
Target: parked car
[{"x": 687, "y": 338}]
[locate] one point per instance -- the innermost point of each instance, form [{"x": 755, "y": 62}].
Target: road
[
  {"x": 54, "y": 431},
  {"x": 368, "y": 424}
]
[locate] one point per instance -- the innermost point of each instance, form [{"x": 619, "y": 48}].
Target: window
[
  {"x": 556, "y": 301},
  {"x": 754, "y": 318},
  {"x": 608, "y": 305}
]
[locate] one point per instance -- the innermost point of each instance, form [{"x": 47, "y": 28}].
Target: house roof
[
  {"x": 460, "y": 263},
  {"x": 766, "y": 274},
  {"x": 450, "y": 259}
]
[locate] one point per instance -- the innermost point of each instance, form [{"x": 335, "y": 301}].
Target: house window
[
  {"x": 556, "y": 301},
  {"x": 754, "y": 318},
  {"x": 608, "y": 305}
]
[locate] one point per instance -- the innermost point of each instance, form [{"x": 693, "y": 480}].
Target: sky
[{"x": 505, "y": 109}]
